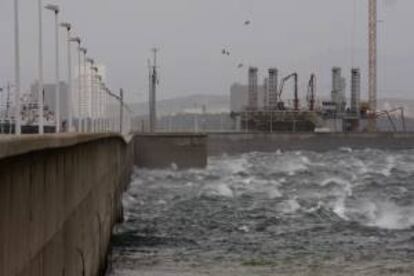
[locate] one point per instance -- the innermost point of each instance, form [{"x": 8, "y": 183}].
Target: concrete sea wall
[
  {"x": 234, "y": 143},
  {"x": 59, "y": 199},
  {"x": 162, "y": 150}
]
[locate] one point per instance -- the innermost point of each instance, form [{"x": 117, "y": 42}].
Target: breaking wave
[{"x": 275, "y": 205}]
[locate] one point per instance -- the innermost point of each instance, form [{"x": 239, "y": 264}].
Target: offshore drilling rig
[
  {"x": 332, "y": 115},
  {"x": 272, "y": 108}
]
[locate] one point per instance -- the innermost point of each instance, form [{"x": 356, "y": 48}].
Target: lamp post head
[
  {"x": 54, "y": 8},
  {"x": 76, "y": 39},
  {"x": 66, "y": 25},
  {"x": 83, "y": 50}
]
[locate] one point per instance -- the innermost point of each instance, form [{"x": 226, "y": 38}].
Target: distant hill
[{"x": 213, "y": 103}]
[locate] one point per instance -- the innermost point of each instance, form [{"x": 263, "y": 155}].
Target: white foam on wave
[
  {"x": 269, "y": 188},
  {"x": 218, "y": 190},
  {"x": 360, "y": 167},
  {"x": 383, "y": 167},
  {"x": 387, "y": 215},
  {"x": 316, "y": 208},
  {"x": 346, "y": 150},
  {"x": 340, "y": 209},
  {"x": 274, "y": 193},
  {"x": 128, "y": 201},
  {"x": 345, "y": 185},
  {"x": 390, "y": 163},
  {"x": 383, "y": 215},
  {"x": 290, "y": 167},
  {"x": 234, "y": 166},
  {"x": 290, "y": 206}
]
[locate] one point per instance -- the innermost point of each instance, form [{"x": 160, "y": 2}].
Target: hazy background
[{"x": 293, "y": 35}]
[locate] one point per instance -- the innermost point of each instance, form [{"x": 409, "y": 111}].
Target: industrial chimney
[
  {"x": 266, "y": 93},
  {"x": 253, "y": 89},
  {"x": 273, "y": 84},
  {"x": 338, "y": 89},
  {"x": 355, "y": 90}
]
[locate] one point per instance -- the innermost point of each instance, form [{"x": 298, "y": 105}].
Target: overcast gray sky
[{"x": 293, "y": 35}]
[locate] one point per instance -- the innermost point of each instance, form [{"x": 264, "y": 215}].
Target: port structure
[
  {"x": 282, "y": 112},
  {"x": 334, "y": 110}
]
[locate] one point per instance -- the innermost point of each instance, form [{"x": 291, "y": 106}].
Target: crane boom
[
  {"x": 282, "y": 85},
  {"x": 372, "y": 85}
]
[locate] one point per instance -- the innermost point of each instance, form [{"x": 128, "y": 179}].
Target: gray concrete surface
[
  {"x": 185, "y": 150},
  {"x": 235, "y": 143},
  {"x": 60, "y": 195},
  {"x": 59, "y": 199}
]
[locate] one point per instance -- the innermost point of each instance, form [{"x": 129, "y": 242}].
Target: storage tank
[
  {"x": 355, "y": 90},
  {"x": 253, "y": 88},
  {"x": 272, "y": 87}
]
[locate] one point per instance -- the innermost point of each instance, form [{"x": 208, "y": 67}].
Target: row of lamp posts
[{"x": 96, "y": 97}]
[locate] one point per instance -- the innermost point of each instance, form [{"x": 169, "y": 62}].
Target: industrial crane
[
  {"x": 310, "y": 97},
  {"x": 388, "y": 114},
  {"x": 282, "y": 85}
]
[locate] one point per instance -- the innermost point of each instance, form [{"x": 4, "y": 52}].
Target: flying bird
[
  {"x": 247, "y": 22},
  {"x": 225, "y": 52}
]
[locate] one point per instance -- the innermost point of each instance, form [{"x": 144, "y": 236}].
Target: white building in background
[
  {"x": 89, "y": 91},
  {"x": 338, "y": 90},
  {"x": 81, "y": 101}
]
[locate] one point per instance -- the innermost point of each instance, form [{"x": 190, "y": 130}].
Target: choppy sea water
[{"x": 342, "y": 212}]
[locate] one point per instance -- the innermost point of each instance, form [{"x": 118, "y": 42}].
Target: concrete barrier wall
[
  {"x": 163, "y": 150},
  {"x": 59, "y": 199},
  {"x": 234, "y": 143}
]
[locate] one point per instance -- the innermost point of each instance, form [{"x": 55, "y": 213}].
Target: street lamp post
[
  {"x": 99, "y": 102},
  {"x": 17, "y": 68},
  {"x": 114, "y": 115},
  {"x": 85, "y": 95},
  {"x": 94, "y": 77},
  {"x": 121, "y": 110},
  {"x": 40, "y": 86},
  {"x": 106, "y": 100},
  {"x": 101, "y": 105},
  {"x": 68, "y": 28},
  {"x": 103, "y": 108},
  {"x": 78, "y": 41},
  {"x": 92, "y": 62},
  {"x": 2, "y": 112},
  {"x": 55, "y": 10},
  {"x": 109, "y": 110}
]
